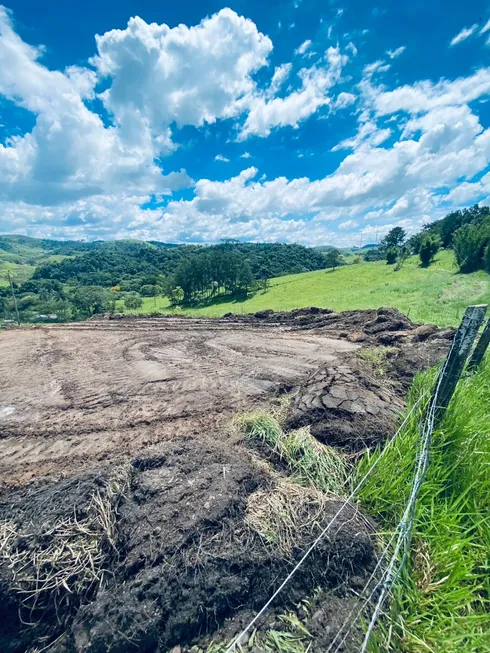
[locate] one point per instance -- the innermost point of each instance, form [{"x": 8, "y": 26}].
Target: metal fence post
[
  {"x": 455, "y": 362},
  {"x": 481, "y": 347}
]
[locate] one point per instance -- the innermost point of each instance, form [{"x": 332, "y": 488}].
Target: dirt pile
[
  {"x": 168, "y": 530},
  {"x": 80, "y": 394},
  {"x": 356, "y": 401},
  {"x": 384, "y": 326},
  {"x": 345, "y": 406},
  {"x": 188, "y": 553}
]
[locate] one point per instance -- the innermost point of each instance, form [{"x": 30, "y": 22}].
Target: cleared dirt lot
[
  {"x": 130, "y": 520},
  {"x": 75, "y": 394}
]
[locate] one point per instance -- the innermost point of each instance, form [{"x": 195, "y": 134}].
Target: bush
[
  {"x": 149, "y": 290},
  {"x": 391, "y": 255},
  {"x": 487, "y": 258},
  {"x": 470, "y": 242},
  {"x": 133, "y": 300},
  {"x": 429, "y": 246}
]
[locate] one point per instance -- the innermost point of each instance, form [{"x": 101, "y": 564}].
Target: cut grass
[
  {"x": 280, "y": 514},
  {"x": 443, "y": 602},
  {"x": 311, "y": 463},
  {"x": 436, "y": 294},
  {"x": 59, "y": 564}
]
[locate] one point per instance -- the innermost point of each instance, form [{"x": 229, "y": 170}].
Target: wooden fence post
[
  {"x": 458, "y": 354},
  {"x": 481, "y": 348}
]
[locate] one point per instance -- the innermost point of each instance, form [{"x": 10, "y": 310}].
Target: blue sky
[{"x": 302, "y": 121}]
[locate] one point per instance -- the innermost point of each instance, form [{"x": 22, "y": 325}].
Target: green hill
[
  {"x": 109, "y": 263},
  {"x": 437, "y": 294},
  {"x": 114, "y": 262}
]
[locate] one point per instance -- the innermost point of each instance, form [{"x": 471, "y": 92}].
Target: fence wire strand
[
  {"x": 406, "y": 523},
  {"x": 347, "y": 501}
]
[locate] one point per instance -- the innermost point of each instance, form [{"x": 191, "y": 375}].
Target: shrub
[
  {"x": 429, "y": 246},
  {"x": 133, "y": 300},
  {"x": 391, "y": 255},
  {"x": 469, "y": 244}
]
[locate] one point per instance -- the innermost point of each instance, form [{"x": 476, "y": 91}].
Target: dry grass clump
[
  {"x": 282, "y": 514},
  {"x": 57, "y": 565},
  {"x": 311, "y": 462}
]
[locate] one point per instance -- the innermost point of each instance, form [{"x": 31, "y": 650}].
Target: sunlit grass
[
  {"x": 311, "y": 463},
  {"x": 437, "y": 294},
  {"x": 443, "y": 603}
]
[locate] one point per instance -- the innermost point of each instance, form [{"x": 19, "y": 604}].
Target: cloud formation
[
  {"x": 413, "y": 151},
  {"x": 465, "y": 33}
]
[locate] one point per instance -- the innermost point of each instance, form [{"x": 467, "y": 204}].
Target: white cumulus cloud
[
  {"x": 416, "y": 150},
  {"x": 344, "y": 100},
  {"x": 306, "y": 45},
  {"x": 266, "y": 114}
]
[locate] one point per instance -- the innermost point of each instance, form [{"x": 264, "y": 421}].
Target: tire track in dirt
[{"x": 80, "y": 393}]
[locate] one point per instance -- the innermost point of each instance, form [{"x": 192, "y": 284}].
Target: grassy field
[
  {"x": 20, "y": 273},
  {"x": 443, "y": 603},
  {"x": 437, "y": 294}
]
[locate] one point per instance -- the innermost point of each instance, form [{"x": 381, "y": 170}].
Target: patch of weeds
[
  {"x": 294, "y": 637},
  {"x": 311, "y": 463},
  {"x": 378, "y": 357}
]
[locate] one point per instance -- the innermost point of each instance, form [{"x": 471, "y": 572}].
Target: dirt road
[{"x": 74, "y": 394}]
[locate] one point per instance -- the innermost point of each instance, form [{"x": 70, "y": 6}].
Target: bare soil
[
  {"x": 114, "y": 439},
  {"x": 75, "y": 394}
]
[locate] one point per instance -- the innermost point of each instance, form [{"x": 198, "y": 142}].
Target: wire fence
[
  {"x": 321, "y": 536},
  {"x": 400, "y": 539}
]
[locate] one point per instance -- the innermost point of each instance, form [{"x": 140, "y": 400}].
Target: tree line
[
  {"x": 135, "y": 264},
  {"x": 92, "y": 282},
  {"x": 466, "y": 231}
]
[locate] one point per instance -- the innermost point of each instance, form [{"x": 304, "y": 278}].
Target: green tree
[
  {"x": 469, "y": 243},
  {"x": 89, "y": 300},
  {"x": 176, "y": 296},
  {"x": 133, "y": 300},
  {"x": 414, "y": 242},
  {"x": 392, "y": 255},
  {"x": 447, "y": 226},
  {"x": 244, "y": 277},
  {"x": 150, "y": 290},
  {"x": 333, "y": 258},
  {"x": 394, "y": 238},
  {"x": 429, "y": 246},
  {"x": 487, "y": 258}
]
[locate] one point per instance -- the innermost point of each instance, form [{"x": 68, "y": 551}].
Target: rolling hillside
[{"x": 437, "y": 294}]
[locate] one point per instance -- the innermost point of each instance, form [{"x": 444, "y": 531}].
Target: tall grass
[
  {"x": 443, "y": 602},
  {"x": 311, "y": 463}
]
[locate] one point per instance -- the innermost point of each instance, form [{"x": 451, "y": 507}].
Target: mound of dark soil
[
  {"x": 186, "y": 559},
  {"x": 385, "y": 326},
  {"x": 345, "y": 406}
]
